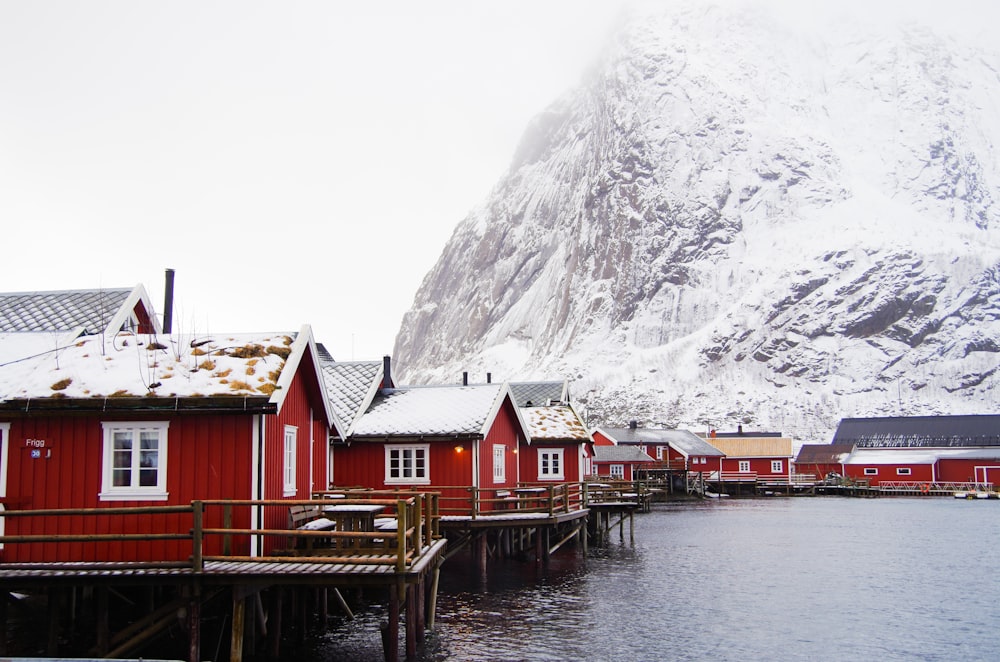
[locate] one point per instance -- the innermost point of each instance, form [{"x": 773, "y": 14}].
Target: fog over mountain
[{"x": 730, "y": 222}]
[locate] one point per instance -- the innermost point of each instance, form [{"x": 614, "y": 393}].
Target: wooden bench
[{"x": 304, "y": 518}]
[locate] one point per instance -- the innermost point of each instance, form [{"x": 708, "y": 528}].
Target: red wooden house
[
  {"x": 619, "y": 462},
  {"x": 679, "y": 450},
  {"x": 822, "y": 460},
  {"x": 433, "y": 437},
  {"x": 130, "y": 419},
  {"x": 749, "y": 456},
  {"x": 561, "y": 448},
  {"x": 923, "y": 449}
]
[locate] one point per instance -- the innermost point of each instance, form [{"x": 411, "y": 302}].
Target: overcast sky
[{"x": 295, "y": 162}]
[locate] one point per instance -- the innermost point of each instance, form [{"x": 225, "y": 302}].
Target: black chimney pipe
[
  {"x": 386, "y": 372},
  {"x": 489, "y": 378},
  {"x": 465, "y": 379},
  {"x": 168, "y": 301}
]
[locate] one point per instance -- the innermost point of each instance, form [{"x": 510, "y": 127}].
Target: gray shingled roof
[
  {"x": 350, "y": 385},
  {"x": 63, "y": 310},
  {"x": 684, "y": 441},
  {"x": 539, "y": 393},
  {"x": 919, "y": 431},
  {"x": 823, "y": 453},
  {"x": 620, "y": 454}
]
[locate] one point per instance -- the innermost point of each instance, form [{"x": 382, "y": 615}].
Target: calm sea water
[{"x": 763, "y": 579}]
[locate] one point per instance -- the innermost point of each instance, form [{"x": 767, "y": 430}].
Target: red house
[
  {"x": 430, "y": 437},
  {"x": 121, "y": 418},
  {"x": 619, "y": 462},
  {"x": 679, "y": 450},
  {"x": 765, "y": 457},
  {"x": 560, "y": 448},
  {"x": 923, "y": 449},
  {"x": 822, "y": 460}
]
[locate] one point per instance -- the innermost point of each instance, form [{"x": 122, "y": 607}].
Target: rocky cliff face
[{"x": 730, "y": 222}]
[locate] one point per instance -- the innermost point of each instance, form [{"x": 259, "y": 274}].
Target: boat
[{"x": 961, "y": 495}]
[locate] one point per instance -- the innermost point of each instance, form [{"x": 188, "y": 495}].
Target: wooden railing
[{"x": 206, "y": 530}]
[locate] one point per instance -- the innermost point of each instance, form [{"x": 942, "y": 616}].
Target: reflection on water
[{"x": 780, "y": 578}]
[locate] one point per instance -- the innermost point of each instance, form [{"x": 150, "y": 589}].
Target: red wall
[
  {"x": 528, "y": 459},
  {"x": 921, "y": 473},
  {"x": 761, "y": 466},
  {"x": 601, "y": 440},
  {"x": 963, "y": 471},
  {"x": 208, "y": 457}
]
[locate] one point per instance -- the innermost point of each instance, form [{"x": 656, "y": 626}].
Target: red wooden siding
[
  {"x": 602, "y": 440},
  {"x": 921, "y": 473},
  {"x": 759, "y": 465},
  {"x": 956, "y": 470},
  {"x": 208, "y": 457},
  {"x": 504, "y": 432}
]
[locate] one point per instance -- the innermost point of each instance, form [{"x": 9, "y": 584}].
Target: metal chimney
[
  {"x": 168, "y": 301},
  {"x": 386, "y": 372},
  {"x": 465, "y": 379},
  {"x": 489, "y": 378}
]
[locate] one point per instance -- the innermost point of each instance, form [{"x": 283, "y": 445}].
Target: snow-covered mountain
[{"x": 731, "y": 222}]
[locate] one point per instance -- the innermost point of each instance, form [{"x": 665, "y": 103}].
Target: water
[{"x": 761, "y": 579}]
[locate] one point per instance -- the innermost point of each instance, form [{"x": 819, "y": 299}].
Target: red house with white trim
[
  {"x": 433, "y": 437},
  {"x": 121, "y": 419},
  {"x": 924, "y": 449},
  {"x": 765, "y": 457}
]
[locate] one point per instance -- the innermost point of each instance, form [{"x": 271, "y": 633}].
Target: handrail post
[
  {"x": 475, "y": 501},
  {"x": 418, "y": 512},
  {"x": 227, "y": 523},
  {"x": 401, "y": 526},
  {"x": 197, "y": 512}
]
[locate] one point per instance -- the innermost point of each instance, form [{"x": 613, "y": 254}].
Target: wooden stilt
[
  {"x": 54, "y": 596},
  {"x": 103, "y": 635},
  {"x": 390, "y": 629},
  {"x": 411, "y": 622},
  {"x": 4, "y": 600},
  {"x": 194, "y": 625},
  {"x": 342, "y": 603},
  {"x": 432, "y": 597},
  {"x": 274, "y": 621},
  {"x": 420, "y": 602},
  {"x": 236, "y": 631}
]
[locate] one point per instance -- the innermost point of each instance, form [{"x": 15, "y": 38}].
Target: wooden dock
[{"x": 403, "y": 562}]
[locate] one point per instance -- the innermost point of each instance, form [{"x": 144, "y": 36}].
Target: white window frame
[
  {"x": 289, "y": 461},
  {"x": 499, "y": 463},
  {"x": 904, "y": 471},
  {"x": 777, "y": 466},
  {"x": 743, "y": 466},
  {"x": 617, "y": 471},
  {"x": 133, "y": 491},
  {"x": 660, "y": 453},
  {"x": 871, "y": 471},
  {"x": 416, "y": 472},
  {"x": 551, "y": 464}
]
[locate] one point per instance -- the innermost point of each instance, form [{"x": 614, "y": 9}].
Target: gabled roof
[
  {"x": 433, "y": 411},
  {"x": 620, "y": 454},
  {"x": 180, "y": 371},
  {"x": 351, "y": 386},
  {"x": 89, "y": 312},
  {"x": 684, "y": 441},
  {"x": 753, "y": 446},
  {"x": 823, "y": 453},
  {"x": 528, "y": 394},
  {"x": 919, "y": 431},
  {"x": 555, "y": 423}
]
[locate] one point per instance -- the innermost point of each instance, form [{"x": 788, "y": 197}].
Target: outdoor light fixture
[{"x": 459, "y": 448}]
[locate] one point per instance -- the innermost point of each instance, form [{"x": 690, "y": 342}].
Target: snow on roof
[
  {"x": 823, "y": 453},
  {"x": 178, "y": 365},
  {"x": 620, "y": 454},
  {"x": 351, "y": 386},
  {"x": 555, "y": 423},
  {"x": 920, "y": 431},
  {"x": 431, "y": 411},
  {"x": 685, "y": 441},
  {"x": 919, "y": 455}
]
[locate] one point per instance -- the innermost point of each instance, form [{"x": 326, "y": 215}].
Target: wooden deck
[{"x": 402, "y": 559}]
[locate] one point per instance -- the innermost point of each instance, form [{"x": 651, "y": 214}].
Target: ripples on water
[{"x": 756, "y": 579}]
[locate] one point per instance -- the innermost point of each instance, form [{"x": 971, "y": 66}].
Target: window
[
  {"x": 659, "y": 453},
  {"x": 871, "y": 471},
  {"x": 135, "y": 461},
  {"x": 407, "y": 464},
  {"x": 499, "y": 464},
  {"x": 288, "y": 463},
  {"x": 744, "y": 466},
  {"x": 550, "y": 464},
  {"x": 617, "y": 471},
  {"x": 903, "y": 471},
  {"x": 776, "y": 466}
]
